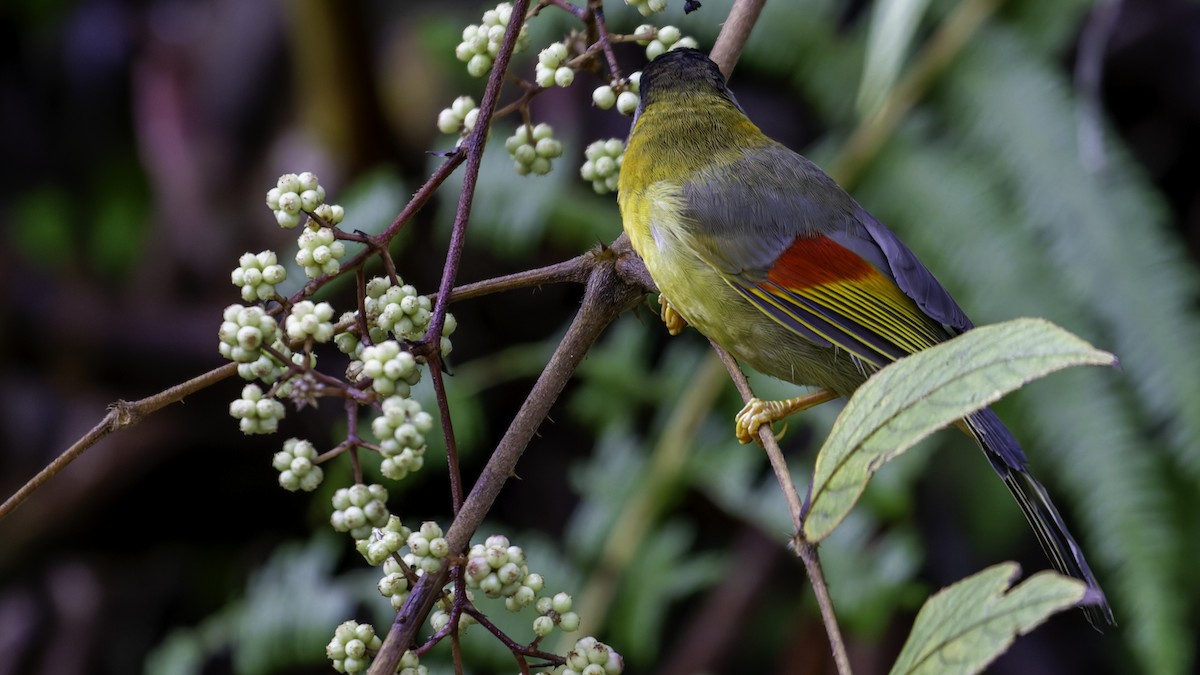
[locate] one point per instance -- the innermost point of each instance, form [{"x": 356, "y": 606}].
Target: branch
[
  {"x": 475, "y": 143},
  {"x": 734, "y": 34},
  {"x": 616, "y": 284},
  {"x": 812, "y": 565},
  {"x": 805, "y": 549},
  {"x": 576, "y": 269},
  {"x": 121, "y": 415}
]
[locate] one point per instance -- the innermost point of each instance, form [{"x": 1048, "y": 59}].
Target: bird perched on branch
[{"x": 763, "y": 253}]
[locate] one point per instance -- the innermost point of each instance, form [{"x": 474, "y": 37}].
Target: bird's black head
[{"x": 680, "y": 72}]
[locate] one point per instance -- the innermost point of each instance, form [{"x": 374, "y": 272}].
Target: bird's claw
[
  {"x": 674, "y": 321},
  {"x": 756, "y": 413}
]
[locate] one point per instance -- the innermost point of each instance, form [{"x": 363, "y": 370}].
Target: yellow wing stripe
[{"x": 870, "y": 318}]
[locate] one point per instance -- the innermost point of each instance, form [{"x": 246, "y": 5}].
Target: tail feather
[{"x": 1065, "y": 554}]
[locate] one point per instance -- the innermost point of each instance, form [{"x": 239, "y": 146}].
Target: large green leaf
[
  {"x": 917, "y": 395},
  {"x": 966, "y": 625}
]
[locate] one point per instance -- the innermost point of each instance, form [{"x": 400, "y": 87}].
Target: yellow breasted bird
[{"x": 763, "y": 253}]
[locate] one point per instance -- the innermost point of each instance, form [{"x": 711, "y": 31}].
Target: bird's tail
[{"x": 1060, "y": 547}]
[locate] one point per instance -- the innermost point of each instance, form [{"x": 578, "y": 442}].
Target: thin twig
[
  {"x": 513, "y": 646},
  {"x": 806, "y": 550},
  {"x": 419, "y": 199},
  {"x": 475, "y": 143},
  {"x": 439, "y": 388},
  {"x": 812, "y": 565},
  {"x": 121, "y": 415},
  {"x": 417, "y": 607},
  {"x": 576, "y": 270},
  {"x": 767, "y": 438},
  {"x": 597, "y": 9}
]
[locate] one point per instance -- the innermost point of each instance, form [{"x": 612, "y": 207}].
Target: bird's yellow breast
[{"x": 696, "y": 290}]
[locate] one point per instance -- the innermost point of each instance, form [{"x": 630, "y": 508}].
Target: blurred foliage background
[{"x": 1047, "y": 171}]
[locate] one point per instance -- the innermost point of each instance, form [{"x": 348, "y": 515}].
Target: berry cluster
[
  {"x": 391, "y": 369},
  {"x": 499, "y": 570},
  {"x": 459, "y": 118},
  {"x": 319, "y": 251},
  {"x": 243, "y": 332},
  {"x": 401, "y": 432},
  {"x": 532, "y": 150},
  {"x": 668, "y": 38},
  {"x": 427, "y": 547},
  {"x": 296, "y": 467},
  {"x": 555, "y": 611},
  {"x": 309, "y": 320},
  {"x": 383, "y": 541},
  {"x": 480, "y": 43},
  {"x": 648, "y": 7},
  {"x": 399, "y": 310},
  {"x": 606, "y": 96},
  {"x": 410, "y": 664},
  {"x": 592, "y": 657},
  {"x": 603, "y": 165},
  {"x": 292, "y": 194},
  {"x": 359, "y": 508},
  {"x": 350, "y": 644},
  {"x": 255, "y": 412},
  {"x": 439, "y": 618},
  {"x": 257, "y": 275},
  {"x": 550, "y": 70}
]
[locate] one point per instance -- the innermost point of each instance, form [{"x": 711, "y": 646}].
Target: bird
[{"x": 767, "y": 256}]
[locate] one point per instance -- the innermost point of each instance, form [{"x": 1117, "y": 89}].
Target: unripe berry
[
  {"x": 569, "y": 622},
  {"x": 645, "y": 29},
  {"x": 627, "y": 102},
  {"x": 604, "y": 97},
  {"x": 290, "y": 202},
  {"x": 287, "y": 220},
  {"x": 561, "y": 603},
  {"x": 463, "y": 105},
  {"x": 479, "y": 65},
  {"x": 543, "y": 626},
  {"x": 288, "y": 182},
  {"x": 491, "y": 586}
]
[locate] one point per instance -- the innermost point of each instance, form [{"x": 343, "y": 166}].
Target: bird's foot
[
  {"x": 758, "y": 412},
  {"x": 674, "y": 322}
]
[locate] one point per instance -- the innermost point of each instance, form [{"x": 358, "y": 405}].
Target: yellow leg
[
  {"x": 675, "y": 323},
  {"x": 759, "y": 412}
]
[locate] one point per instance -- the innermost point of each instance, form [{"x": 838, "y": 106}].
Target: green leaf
[
  {"x": 910, "y": 399},
  {"x": 966, "y": 625}
]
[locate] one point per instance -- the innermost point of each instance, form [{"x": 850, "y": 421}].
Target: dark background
[{"x": 138, "y": 140}]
